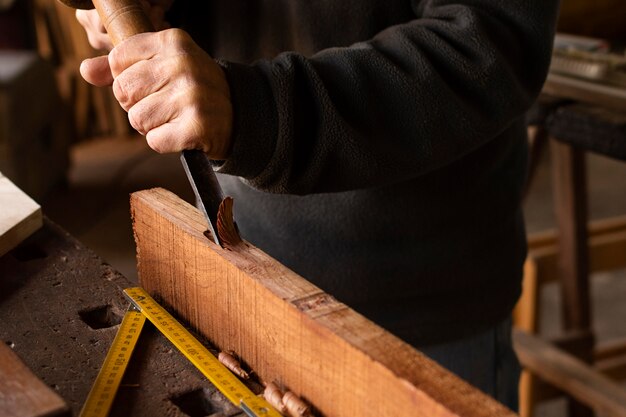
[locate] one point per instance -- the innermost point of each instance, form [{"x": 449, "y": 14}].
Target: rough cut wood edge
[
  {"x": 284, "y": 327},
  {"x": 22, "y": 394},
  {"x": 20, "y": 216}
]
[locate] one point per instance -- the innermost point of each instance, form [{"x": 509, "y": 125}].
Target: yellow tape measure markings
[
  {"x": 100, "y": 398},
  {"x": 226, "y": 382}
]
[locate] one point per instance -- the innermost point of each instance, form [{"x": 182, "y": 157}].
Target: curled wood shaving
[
  {"x": 226, "y": 226},
  {"x": 229, "y": 360},
  {"x": 295, "y": 406},
  {"x": 274, "y": 396}
]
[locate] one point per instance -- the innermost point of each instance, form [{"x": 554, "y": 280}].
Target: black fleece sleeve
[{"x": 412, "y": 99}]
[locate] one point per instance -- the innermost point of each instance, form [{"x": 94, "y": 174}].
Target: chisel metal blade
[{"x": 205, "y": 186}]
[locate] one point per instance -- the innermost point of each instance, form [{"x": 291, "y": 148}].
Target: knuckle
[
  {"x": 176, "y": 37},
  {"x": 153, "y": 143},
  {"x": 197, "y": 131},
  {"x": 94, "y": 40},
  {"x": 81, "y": 16},
  {"x": 96, "y": 35},
  {"x": 180, "y": 65},
  {"x": 193, "y": 100},
  {"x": 137, "y": 119},
  {"x": 120, "y": 90},
  {"x": 156, "y": 143},
  {"x": 115, "y": 60}
]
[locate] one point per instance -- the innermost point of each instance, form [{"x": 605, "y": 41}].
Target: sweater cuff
[{"x": 254, "y": 121}]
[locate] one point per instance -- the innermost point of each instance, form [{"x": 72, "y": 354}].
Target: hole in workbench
[
  {"x": 100, "y": 317},
  {"x": 196, "y": 403},
  {"x": 28, "y": 252}
]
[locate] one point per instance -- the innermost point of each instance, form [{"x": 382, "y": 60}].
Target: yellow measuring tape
[
  {"x": 100, "y": 398},
  {"x": 103, "y": 390}
]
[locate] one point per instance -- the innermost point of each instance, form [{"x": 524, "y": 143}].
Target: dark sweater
[{"x": 383, "y": 156}]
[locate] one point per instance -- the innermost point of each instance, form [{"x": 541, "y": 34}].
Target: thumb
[{"x": 97, "y": 71}]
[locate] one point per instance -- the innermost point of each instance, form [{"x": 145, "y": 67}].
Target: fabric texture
[
  {"x": 487, "y": 360},
  {"x": 380, "y": 147}
]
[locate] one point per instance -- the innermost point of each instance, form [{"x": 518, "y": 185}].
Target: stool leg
[{"x": 570, "y": 204}]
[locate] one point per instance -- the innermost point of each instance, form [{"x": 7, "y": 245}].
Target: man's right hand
[{"x": 97, "y": 34}]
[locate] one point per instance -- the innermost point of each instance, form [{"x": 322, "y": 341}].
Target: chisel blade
[{"x": 205, "y": 186}]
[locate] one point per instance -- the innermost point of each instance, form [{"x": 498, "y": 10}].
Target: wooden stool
[{"x": 572, "y": 253}]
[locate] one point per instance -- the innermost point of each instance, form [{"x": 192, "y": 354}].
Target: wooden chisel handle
[{"x": 121, "y": 18}]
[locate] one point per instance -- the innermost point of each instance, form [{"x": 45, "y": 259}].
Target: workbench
[{"x": 60, "y": 304}]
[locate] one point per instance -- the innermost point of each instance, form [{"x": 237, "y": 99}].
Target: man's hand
[
  {"x": 175, "y": 94},
  {"x": 97, "y": 34}
]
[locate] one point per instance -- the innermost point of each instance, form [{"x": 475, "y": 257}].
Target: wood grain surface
[
  {"x": 20, "y": 216},
  {"x": 285, "y": 328}
]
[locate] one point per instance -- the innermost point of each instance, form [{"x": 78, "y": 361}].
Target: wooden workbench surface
[{"x": 59, "y": 306}]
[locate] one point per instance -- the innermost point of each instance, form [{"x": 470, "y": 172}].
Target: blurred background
[{"x": 69, "y": 146}]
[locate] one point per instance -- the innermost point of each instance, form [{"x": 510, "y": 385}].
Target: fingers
[
  {"x": 172, "y": 123},
  {"x": 153, "y": 111},
  {"x": 137, "y": 48},
  {"x": 165, "y": 138},
  {"x": 128, "y": 63},
  {"x": 140, "y": 68},
  {"x": 138, "y": 81},
  {"x": 147, "y": 45},
  {"x": 96, "y": 33},
  {"x": 175, "y": 94},
  {"x": 96, "y": 71}
]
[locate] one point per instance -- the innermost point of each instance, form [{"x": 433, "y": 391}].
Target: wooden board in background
[
  {"x": 22, "y": 394},
  {"x": 20, "y": 216},
  {"x": 287, "y": 329}
]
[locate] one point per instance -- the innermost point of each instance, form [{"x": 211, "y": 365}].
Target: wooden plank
[
  {"x": 20, "y": 216},
  {"x": 284, "y": 327},
  {"x": 22, "y": 394},
  {"x": 569, "y": 374}
]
